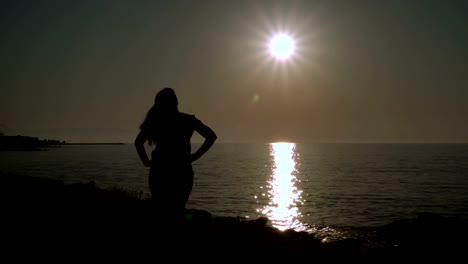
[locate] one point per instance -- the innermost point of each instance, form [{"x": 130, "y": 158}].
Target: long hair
[{"x": 165, "y": 106}]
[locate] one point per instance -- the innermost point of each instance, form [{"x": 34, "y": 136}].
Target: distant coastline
[
  {"x": 27, "y": 143},
  {"x": 101, "y": 143}
]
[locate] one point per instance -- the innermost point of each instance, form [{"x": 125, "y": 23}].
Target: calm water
[{"x": 294, "y": 185}]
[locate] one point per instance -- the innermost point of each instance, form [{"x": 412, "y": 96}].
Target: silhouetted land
[
  {"x": 25, "y": 143},
  {"x": 103, "y": 143},
  {"x": 51, "y": 218}
]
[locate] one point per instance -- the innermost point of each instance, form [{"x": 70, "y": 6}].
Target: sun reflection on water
[{"x": 283, "y": 194}]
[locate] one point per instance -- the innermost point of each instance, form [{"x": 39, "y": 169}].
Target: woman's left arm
[{"x": 210, "y": 138}]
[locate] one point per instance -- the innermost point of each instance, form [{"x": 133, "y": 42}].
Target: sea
[{"x": 305, "y": 187}]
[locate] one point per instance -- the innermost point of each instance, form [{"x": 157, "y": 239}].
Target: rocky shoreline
[{"x": 44, "y": 214}]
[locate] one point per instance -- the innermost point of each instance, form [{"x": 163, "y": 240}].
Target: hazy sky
[{"x": 363, "y": 71}]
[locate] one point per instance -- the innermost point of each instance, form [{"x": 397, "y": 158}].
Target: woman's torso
[{"x": 172, "y": 139}]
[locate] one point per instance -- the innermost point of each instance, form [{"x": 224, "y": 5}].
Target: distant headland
[
  {"x": 97, "y": 143},
  {"x": 28, "y": 143},
  {"x": 10, "y": 143}
]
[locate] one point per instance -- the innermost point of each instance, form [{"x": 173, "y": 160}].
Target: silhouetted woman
[{"x": 171, "y": 173}]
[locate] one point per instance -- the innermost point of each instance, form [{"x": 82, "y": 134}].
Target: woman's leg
[{"x": 186, "y": 190}]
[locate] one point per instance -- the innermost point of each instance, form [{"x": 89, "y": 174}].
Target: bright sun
[{"x": 282, "y": 46}]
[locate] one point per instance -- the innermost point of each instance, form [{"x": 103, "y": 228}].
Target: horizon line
[{"x": 297, "y": 142}]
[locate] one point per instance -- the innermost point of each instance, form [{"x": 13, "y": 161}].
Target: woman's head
[
  {"x": 165, "y": 106},
  {"x": 166, "y": 100}
]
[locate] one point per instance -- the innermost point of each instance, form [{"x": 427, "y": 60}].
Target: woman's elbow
[
  {"x": 140, "y": 139},
  {"x": 139, "y": 142},
  {"x": 213, "y": 137}
]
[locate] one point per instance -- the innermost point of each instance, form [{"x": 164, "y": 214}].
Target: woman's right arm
[{"x": 140, "y": 147}]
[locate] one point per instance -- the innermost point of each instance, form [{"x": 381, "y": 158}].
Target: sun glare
[
  {"x": 284, "y": 195},
  {"x": 282, "y": 46}
]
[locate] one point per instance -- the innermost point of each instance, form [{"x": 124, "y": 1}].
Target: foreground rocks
[{"x": 50, "y": 217}]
